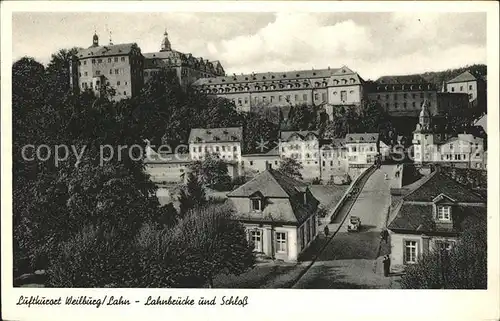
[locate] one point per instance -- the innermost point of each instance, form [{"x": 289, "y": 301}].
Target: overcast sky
[{"x": 373, "y": 44}]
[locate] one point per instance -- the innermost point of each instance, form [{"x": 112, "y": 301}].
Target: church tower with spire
[{"x": 165, "y": 44}]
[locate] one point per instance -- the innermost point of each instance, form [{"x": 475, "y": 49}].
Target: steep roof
[
  {"x": 216, "y": 135},
  {"x": 272, "y": 184},
  {"x": 273, "y": 153},
  {"x": 107, "y": 50},
  {"x": 269, "y": 76},
  {"x": 463, "y": 77},
  {"x": 483, "y": 122},
  {"x": 419, "y": 218},
  {"x": 437, "y": 183},
  {"x": 401, "y": 80},
  {"x": 361, "y": 138},
  {"x": 285, "y": 135}
]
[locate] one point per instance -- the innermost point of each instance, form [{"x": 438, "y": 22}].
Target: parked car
[{"x": 354, "y": 224}]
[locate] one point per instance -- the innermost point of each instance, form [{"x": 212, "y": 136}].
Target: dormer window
[
  {"x": 444, "y": 213},
  {"x": 256, "y": 204}
]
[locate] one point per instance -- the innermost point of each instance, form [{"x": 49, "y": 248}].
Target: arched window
[
  {"x": 344, "y": 81},
  {"x": 316, "y": 84},
  {"x": 264, "y": 87},
  {"x": 352, "y": 80},
  {"x": 247, "y": 88},
  {"x": 257, "y": 88},
  {"x": 297, "y": 85},
  {"x": 336, "y": 82},
  {"x": 289, "y": 86}
]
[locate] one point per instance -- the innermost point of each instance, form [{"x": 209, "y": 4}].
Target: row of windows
[
  {"x": 217, "y": 149},
  {"x": 405, "y": 96},
  {"x": 100, "y": 60},
  {"x": 271, "y": 87},
  {"x": 461, "y": 88},
  {"x": 404, "y": 87},
  {"x": 455, "y": 157},
  {"x": 256, "y": 239},
  {"x": 116, "y": 71},
  {"x": 404, "y": 105}
]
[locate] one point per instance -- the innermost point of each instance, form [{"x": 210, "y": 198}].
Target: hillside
[{"x": 438, "y": 77}]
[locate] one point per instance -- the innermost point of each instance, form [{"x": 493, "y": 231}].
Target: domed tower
[
  {"x": 95, "y": 40},
  {"x": 423, "y": 137},
  {"x": 165, "y": 44},
  {"x": 425, "y": 117}
]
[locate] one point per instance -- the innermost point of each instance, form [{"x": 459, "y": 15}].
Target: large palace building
[
  {"x": 125, "y": 69},
  {"x": 187, "y": 67},
  {"x": 332, "y": 86}
]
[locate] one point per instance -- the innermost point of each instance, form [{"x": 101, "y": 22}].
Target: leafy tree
[
  {"x": 193, "y": 195},
  {"x": 291, "y": 168},
  {"x": 464, "y": 267},
  {"x": 257, "y": 130},
  {"x": 214, "y": 243},
  {"x": 211, "y": 171}
]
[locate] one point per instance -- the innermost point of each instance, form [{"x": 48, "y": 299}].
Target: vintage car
[{"x": 354, "y": 224}]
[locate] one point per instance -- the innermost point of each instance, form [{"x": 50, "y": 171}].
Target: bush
[
  {"x": 316, "y": 181},
  {"x": 92, "y": 258},
  {"x": 239, "y": 180},
  {"x": 322, "y": 212}
]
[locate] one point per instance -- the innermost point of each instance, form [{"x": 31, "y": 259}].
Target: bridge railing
[{"x": 330, "y": 217}]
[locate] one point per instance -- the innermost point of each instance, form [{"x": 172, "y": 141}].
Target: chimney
[{"x": 268, "y": 166}]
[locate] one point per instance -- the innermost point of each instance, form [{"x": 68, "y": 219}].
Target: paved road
[
  {"x": 350, "y": 259},
  {"x": 373, "y": 201}
]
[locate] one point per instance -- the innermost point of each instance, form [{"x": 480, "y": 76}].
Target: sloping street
[{"x": 350, "y": 260}]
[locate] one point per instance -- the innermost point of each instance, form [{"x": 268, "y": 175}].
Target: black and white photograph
[{"x": 228, "y": 149}]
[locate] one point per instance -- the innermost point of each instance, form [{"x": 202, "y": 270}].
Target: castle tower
[{"x": 165, "y": 44}]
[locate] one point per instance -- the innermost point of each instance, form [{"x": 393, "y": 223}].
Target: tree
[
  {"x": 214, "y": 243},
  {"x": 291, "y": 167},
  {"x": 211, "y": 171},
  {"x": 463, "y": 267},
  {"x": 193, "y": 195},
  {"x": 257, "y": 130}
]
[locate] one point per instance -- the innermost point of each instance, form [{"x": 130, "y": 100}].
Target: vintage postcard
[{"x": 189, "y": 159}]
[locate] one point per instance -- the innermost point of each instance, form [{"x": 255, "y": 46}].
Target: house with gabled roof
[
  {"x": 303, "y": 146},
  {"x": 362, "y": 148},
  {"x": 473, "y": 86},
  {"x": 278, "y": 212},
  {"x": 225, "y": 143},
  {"x": 431, "y": 215}
]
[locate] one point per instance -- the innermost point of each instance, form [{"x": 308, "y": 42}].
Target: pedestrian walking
[
  {"x": 387, "y": 262},
  {"x": 326, "y": 230}
]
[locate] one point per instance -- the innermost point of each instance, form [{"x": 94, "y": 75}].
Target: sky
[{"x": 373, "y": 44}]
